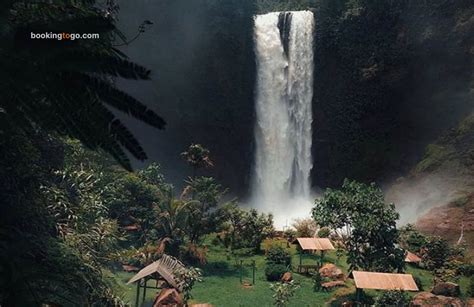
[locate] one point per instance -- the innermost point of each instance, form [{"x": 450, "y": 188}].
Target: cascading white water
[{"x": 284, "y": 92}]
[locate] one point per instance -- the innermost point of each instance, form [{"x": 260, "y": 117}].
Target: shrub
[
  {"x": 392, "y": 298},
  {"x": 411, "y": 239},
  {"x": 194, "y": 254},
  {"x": 282, "y": 292},
  {"x": 278, "y": 255},
  {"x": 274, "y": 272},
  {"x": 305, "y": 227},
  {"x": 324, "y": 232},
  {"x": 216, "y": 241},
  {"x": 470, "y": 290},
  {"x": 435, "y": 253},
  {"x": 466, "y": 269},
  {"x": 317, "y": 280},
  {"x": 418, "y": 282}
]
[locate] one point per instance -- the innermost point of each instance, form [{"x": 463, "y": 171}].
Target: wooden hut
[
  {"x": 163, "y": 269},
  {"x": 383, "y": 281},
  {"x": 312, "y": 245}
]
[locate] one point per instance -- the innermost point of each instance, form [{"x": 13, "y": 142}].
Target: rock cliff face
[
  {"x": 390, "y": 79},
  {"x": 439, "y": 191}
]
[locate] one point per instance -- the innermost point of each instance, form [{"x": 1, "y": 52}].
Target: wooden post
[
  {"x": 137, "y": 301},
  {"x": 241, "y": 262},
  {"x": 358, "y": 294},
  {"x": 253, "y": 272},
  {"x": 144, "y": 291}
]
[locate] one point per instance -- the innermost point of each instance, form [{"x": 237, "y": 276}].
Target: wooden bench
[{"x": 306, "y": 268}]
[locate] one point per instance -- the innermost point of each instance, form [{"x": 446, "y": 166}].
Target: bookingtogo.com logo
[{"x": 64, "y": 36}]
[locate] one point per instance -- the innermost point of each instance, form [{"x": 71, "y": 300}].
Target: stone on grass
[
  {"x": 287, "y": 277},
  {"x": 425, "y": 299},
  {"x": 446, "y": 289},
  {"x": 331, "y": 271}
]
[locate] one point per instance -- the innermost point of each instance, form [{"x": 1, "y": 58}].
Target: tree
[
  {"x": 366, "y": 224},
  {"x": 66, "y": 86},
  {"x": 306, "y": 227},
  {"x": 411, "y": 239},
  {"x": 206, "y": 193},
  {"x": 245, "y": 229},
  {"x": 435, "y": 253},
  {"x": 56, "y": 240},
  {"x": 133, "y": 202},
  {"x": 197, "y": 157},
  {"x": 171, "y": 220}
]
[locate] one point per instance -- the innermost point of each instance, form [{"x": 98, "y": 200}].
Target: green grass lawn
[{"x": 221, "y": 282}]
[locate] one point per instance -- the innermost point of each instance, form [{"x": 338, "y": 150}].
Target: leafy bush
[
  {"x": 317, "y": 280},
  {"x": 466, "y": 269},
  {"x": 435, "y": 253},
  {"x": 324, "y": 232},
  {"x": 278, "y": 255},
  {"x": 392, "y": 298},
  {"x": 470, "y": 290},
  {"x": 418, "y": 282},
  {"x": 274, "y": 272},
  {"x": 282, "y": 292},
  {"x": 411, "y": 239},
  {"x": 305, "y": 227}
]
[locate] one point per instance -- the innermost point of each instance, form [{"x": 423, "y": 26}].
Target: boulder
[
  {"x": 446, "y": 289},
  {"x": 331, "y": 271},
  {"x": 425, "y": 299},
  {"x": 287, "y": 277}
]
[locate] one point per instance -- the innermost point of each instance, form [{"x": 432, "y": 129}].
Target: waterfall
[{"x": 284, "y": 92}]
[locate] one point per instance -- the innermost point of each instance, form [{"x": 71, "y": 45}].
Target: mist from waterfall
[{"x": 283, "y": 134}]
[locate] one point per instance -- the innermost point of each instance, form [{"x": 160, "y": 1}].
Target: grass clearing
[{"x": 221, "y": 281}]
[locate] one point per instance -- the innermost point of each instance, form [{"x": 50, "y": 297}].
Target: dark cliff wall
[
  {"x": 391, "y": 76},
  {"x": 201, "y": 56}
]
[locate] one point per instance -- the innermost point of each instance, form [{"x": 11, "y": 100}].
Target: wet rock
[
  {"x": 331, "y": 271},
  {"x": 287, "y": 277},
  {"x": 446, "y": 289},
  {"x": 425, "y": 299}
]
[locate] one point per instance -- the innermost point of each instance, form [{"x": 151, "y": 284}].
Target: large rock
[
  {"x": 287, "y": 277},
  {"x": 331, "y": 271},
  {"x": 446, "y": 289},
  {"x": 425, "y": 299}
]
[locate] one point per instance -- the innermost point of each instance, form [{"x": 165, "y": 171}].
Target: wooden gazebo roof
[
  {"x": 166, "y": 267},
  {"x": 384, "y": 281},
  {"x": 319, "y": 244}
]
